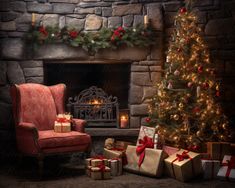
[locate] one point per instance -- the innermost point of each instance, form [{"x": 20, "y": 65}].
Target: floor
[{"x": 66, "y": 172}]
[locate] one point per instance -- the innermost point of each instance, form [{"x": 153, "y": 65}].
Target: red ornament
[
  {"x": 43, "y": 31},
  {"x": 190, "y": 84},
  {"x": 205, "y": 85},
  {"x": 117, "y": 34},
  {"x": 73, "y": 34},
  {"x": 183, "y": 10},
  {"x": 196, "y": 110},
  {"x": 147, "y": 119},
  {"x": 179, "y": 50},
  {"x": 200, "y": 69},
  {"x": 217, "y": 93}
]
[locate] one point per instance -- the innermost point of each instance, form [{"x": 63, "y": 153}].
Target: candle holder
[{"x": 124, "y": 119}]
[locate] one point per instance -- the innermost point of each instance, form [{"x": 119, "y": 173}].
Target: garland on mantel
[{"x": 93, "y": 41}]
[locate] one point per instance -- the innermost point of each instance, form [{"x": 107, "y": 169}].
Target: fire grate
[{"x": 96, "y": 107}]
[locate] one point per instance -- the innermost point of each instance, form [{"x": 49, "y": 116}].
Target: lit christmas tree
[{"x": 185, "y": 109}]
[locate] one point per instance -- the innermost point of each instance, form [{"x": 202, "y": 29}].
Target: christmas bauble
[
  {"x": 205, "y": 85},
  {"x": 147, "y": 119},
  {"x": 190, "y": 84},
  {"x": 200, "y": 69},
  {"x": 177, "y": 73},
  {"x": 224, "y": 125},
  {"x": 181, "y": 105},
  {"x": 183, "y": 10},
  {"x": 217, "y": 94},
  {"x": 176, "y": 117},
  {"x": 199, "y": 133}
]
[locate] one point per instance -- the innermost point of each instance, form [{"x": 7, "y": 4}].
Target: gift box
[
  {"x": 152, "y": 164},
  {"x": 100, "y": 173},
  {"x": 169, "y": 149},
  {"x": 227, "y": 171},
  {"x": 183, "y": 165},
  {"x": 217, "y": 150},
  {"x": 88, "y": 170},
  {"x": 96, "y": 161},
  {"x": 113, "y": 153},
  {"x": 62, "y": 127},
  {"x": 210, "y": 168},
  {"x": 116, "y": 166},
  {"x": 145, "y": 131}
]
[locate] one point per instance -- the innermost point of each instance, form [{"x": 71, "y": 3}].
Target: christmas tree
[{"x": 185, "y": 109}]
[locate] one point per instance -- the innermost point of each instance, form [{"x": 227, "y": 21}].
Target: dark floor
[{"x": 70, "y": 174}]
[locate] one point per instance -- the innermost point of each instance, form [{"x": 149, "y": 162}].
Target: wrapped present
[
  {"x": 183, "y": 165},
  {"x": 88, "y": 170},
  {"x": 169, "y": 149},
  {"x": 227, "y": 171},
  {"x": 113, "y": 153},
  {"x": 151, "y": 164},
  {"x": 101, "y": 172},
  {"x": 210, "y": 168},
  {"x": 62, "y": 127},
  {"x": 217, "y": 150},
  {"x": 122, "y": 144},
  {"x": 109, "y": 143},
  {"x": 232, "y": 148},
  {"x": 96, "y": 161},
  {"x": 116, "y": 166},
  {"x": 145, "y": 131}
]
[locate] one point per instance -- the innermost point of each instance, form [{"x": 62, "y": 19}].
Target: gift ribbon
[
  {"x": 181, "y": 157},
  {"x": 146, "y": 142},
  {"x": 62, "y": 120},
  {"x": 102, "y": 170},
  {"x": 231, "y": 165}
]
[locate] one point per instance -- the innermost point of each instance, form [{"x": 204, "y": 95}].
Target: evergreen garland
[{"x": 93, "y": 41}]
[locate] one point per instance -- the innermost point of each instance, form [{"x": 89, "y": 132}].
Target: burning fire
[{"x": 95, "y": 101}]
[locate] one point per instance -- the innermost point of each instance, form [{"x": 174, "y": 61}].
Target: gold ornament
[
  {"x": 199, "y": 133},
  {"x": 176, "y": 117},
  {"x": 181, "y": 105},
  {"x": 224, "y": 125}
]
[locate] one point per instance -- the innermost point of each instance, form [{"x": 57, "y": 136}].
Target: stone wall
[{"x": 19, "y": 64}]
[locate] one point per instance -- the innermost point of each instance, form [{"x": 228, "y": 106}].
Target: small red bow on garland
[
  {"x": 183, "y": 156},
  {"x": 146, "y": 142}
]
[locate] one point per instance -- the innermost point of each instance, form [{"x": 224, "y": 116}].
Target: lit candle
[
  {"x": 146, "y": 20},
  {"x": 124, "y": 122},
  {"x": 33, "y": 19}
]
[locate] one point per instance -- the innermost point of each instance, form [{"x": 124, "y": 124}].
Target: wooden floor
[{"x": 67, "y": 173}]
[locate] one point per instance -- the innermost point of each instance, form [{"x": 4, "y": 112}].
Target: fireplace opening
[{"x": 112, "y": 78}]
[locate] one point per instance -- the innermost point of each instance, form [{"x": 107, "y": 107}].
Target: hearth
[{"x": 96, "y": 107}]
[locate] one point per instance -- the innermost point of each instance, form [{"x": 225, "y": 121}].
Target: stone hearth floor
[{"x": 71, "y": 175}]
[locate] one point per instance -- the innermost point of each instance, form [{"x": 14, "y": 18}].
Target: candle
[
  {"x": 33, "y": 19},
  {"x": 124, "y": 122},
  {"x": 146, "y": 20}
]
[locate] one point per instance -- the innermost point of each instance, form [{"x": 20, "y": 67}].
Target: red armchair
[{"x": 35, "y": 108}]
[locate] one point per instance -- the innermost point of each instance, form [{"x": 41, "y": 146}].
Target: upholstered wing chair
[{"x": 35, "y": 108}]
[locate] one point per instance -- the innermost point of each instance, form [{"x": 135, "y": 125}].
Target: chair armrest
[
  {"x": 79, "y": 125},
  {"x": 29, "y": 127}
]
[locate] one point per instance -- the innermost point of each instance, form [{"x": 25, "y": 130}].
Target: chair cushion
[{"x": 51, "y": 139}]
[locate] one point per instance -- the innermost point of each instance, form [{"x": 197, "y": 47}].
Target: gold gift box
[
  {"x": 186, "y": 169},
  {"x": 62, "y": 127},
  {"x": 217, "y": 150},
  {"x": 110, "y": 154},
  {"x": 97, "y": 174},
  {"x": 152, "y": 164}
]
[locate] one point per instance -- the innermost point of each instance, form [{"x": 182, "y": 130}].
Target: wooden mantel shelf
[{"x": 112, "y": 132}]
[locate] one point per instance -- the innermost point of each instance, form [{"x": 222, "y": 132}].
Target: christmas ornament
[
  {"x": 200, "y": 69},
  {"x": 177, "y": 73},
  {"x": 183, "y": 10},
  {"x": 147, "y": 119},
  {"x": 217, "y": 94},
  {"x": 181, "y": 105},
  {"x": 176, "y": 117},
  {"x": 169, "y": 86},
  {"x": 205, "y": 85},
  {"x": 190, "y": 84}
]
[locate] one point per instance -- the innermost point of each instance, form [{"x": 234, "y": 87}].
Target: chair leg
[{"x": 40, "y": 164}]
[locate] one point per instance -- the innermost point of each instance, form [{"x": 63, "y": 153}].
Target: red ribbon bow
[
  {"x": 62, "y": 120},
  {"x": 183, "y": 156},
  {"x": 101, "y": 167},
  {"x": 146, "y": 142}
]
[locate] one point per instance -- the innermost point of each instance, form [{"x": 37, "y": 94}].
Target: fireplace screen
[{"x": 96, "y": 107}]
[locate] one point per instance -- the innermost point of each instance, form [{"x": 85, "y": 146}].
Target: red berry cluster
[
  {"x": 117, "y": 34},
  {"x": 73, "y": 34}
]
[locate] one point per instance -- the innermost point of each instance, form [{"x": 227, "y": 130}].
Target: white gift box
[
  {"x": 210, "y": 168},
  {"x": 227, "y": 171}
]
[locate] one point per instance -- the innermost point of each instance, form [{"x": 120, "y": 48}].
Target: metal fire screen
[{"x": 96, "y": 107}]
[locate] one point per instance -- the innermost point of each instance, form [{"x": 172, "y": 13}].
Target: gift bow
[
  {"x": 230, "y": 164},
  {"x": 146, "y": 142},
  {"x": 62, "y": 120},
  {"x": 183, "y": 156},
  {"x": 101, "y": 167}
]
